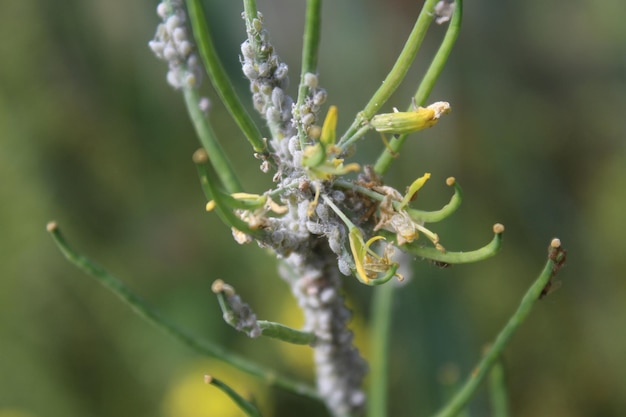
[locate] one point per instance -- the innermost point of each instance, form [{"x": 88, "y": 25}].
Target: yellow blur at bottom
[
  {"x": 14, "y": 412},
  {"x": 190, "y": 396}
]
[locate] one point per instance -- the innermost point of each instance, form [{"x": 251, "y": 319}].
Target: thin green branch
[
  {"x": 339, "y": 213},
  {"x": 219, "y": 78},
  {"x": 285, "y": 333},
  {"x": 445, "y": 211},
  {"x": 153, "y": 316},
  {"x": 448, "y": 257},
  {"x": 497, "y": 391},
  {"x": 208, "y": 181},
  {"x": 240, "y": 316},
  {"x": 310, "y": 51},
  {"x": 556, "y": 258},
  {"x": 219, "y": 160},
  {"x": 246, "y": 406},
  {"x": 441, "y": 57},
  {"x": 250, "y": 12},
  {"x": 310, "y": 47},
  {"x": 397, "y": 73},
  {"x": 379, "y": 342},
  {"x": 422, "y": 215},
  {"x": 449, "y": 379},
  {"x": 426, "y": 86}
]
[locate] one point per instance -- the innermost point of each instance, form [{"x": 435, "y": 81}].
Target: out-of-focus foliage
[
  {"x": 92, "y": 136},
  {"x": 188, "y": 398}
]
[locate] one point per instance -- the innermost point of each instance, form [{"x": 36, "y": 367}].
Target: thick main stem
[{"x": 316, "y": 283}]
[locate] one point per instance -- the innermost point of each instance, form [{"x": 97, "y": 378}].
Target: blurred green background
[{"x": 93, "y": 137}]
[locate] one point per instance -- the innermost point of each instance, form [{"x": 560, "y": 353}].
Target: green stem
[
  {"x": 208, "y": 181},
  {"x": 445, "y": 211},
  {"x": 379, "y": 342},
  {"x": 339, "y": 213},
  {"x": 397, "y": 73},
  {"x": 285, "y": 333},
  {"x": 462, "y": 397},
  {"x": 219, "y": 160},
  {"x": 250, "y": 11},
  {"x": 422, "y": 215},
  {"x": 310, "y": 51},
  {"x": 310, "y": 47},
  {"x": 426, "y": 86},
  {"x": 497, "y": 391},
  {"x": 440, "y": 59},
  {"x": 237, "y": 314},
  {"x": 448, "y": 257},
  {"x": 153, "y": 316},
  {"x": 449, "y": 378},
  {"x": 219, "y": 78},
  {"x": 246, "y": 406}
]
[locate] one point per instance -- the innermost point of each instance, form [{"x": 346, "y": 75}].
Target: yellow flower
[
  {"x": 328, "y": 136},
  {"x": 401, "y": 122},
  {"x": 414, "y": 188},
  {"x": 368, "y": 263},
  {"x": 320, "y": 158},
  {"x": 326, "y": 169},
  {"x": 397, "y": 220}
]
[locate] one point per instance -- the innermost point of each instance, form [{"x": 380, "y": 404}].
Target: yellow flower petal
[
  {"x": 413, "y": 188},
  {"x": 369, "y": 243},
  {"x": 330, "y": 126},
  {"x": 357, "y": 248}
]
